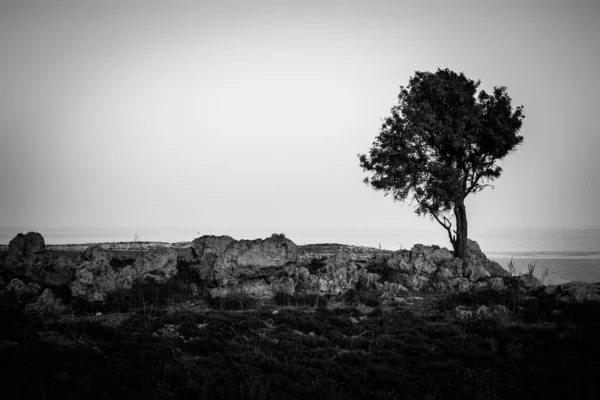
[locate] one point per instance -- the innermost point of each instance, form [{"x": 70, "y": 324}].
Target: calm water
[{"x": 567, "y": 254}]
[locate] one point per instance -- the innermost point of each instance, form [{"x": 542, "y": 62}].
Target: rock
[
  {"x": 494, "y": 269},
  {"x": 412, "y": 282},
  {"x": 444, "y": 273},
  {"x": 496, "y": 283},
  {"x": 420, "y": 259},
  {"x": 24, "y": 292},
  {"x": 578, "y": 292},
  {"x": 27, "y": 245},
  {"x": 97, "y": 253},
  {"x": 462, "y": 313},
  {"x": 158, "y": 265},
  {"x": 46, "y": 303},
  {"x": 460, "y": 284},
  {"x": 392, "y": 289},
  {"x": 205, "y": 271},
  {"x": 17, "y": 245},
  {"x": 367, "y": 280},
  {"x": 522, "y": 283},
  {"x": 95, "y": 280},
  {"x": 254, "y": 258},
  {"x": 257, "y": 288},
  {"x": 207, "y": 250},
  {"x": 474, "y": 249},
  {"x": 474, "y": 270},
  {"x": 339, "y": 275},
  {"x": 454, "y": 265},
  {"x": 495, "y": 312}
]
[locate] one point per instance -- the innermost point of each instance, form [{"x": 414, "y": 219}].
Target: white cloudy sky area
[{"x": 245, "y": 115}]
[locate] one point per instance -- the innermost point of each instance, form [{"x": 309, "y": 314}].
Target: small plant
[
  {"x": 531, "y": 268},
  {"x": 545, "y": 275},
  {"x": 512, "y": 268}
]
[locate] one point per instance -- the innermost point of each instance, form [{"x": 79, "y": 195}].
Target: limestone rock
[
  {"x": 158, "y": 264},
  {"x": 474, "y": 270},
  {"x": 460, "y": 284},
  {"x": 420, "y": 259},
  {"x": 27, "y": 245},
  {"x": 257, "y": 288},
  {"x": 24, "y": 292},
  {"x": 254, "y": 258},
  {"x": 493, "y": 268},
  {"x": 455, "y": 265},
  {"x": 412, "y": 282},
  {"x": 523, "y": 283},
  {"x": 462, "y": 313},
  {"x": 46, "y": 303},
  {"x": 495, "y": 312},
  {"x": 578, "y": 292},
  {"x": 97, "y": 253},
  {"x": 95, "y": 280}
]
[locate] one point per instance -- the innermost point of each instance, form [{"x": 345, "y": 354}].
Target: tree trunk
[{"x": 460, "y": 244}]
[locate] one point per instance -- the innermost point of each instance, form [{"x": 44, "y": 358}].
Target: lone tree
[{"x": 442, "y": 143}]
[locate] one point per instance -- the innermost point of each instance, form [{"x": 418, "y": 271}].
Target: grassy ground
[{"x": 159, "y": 342}]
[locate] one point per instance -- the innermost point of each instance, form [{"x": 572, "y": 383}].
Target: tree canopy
[{"x": 441, "y": 143}]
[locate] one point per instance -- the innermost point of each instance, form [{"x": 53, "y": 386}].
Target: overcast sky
[{"x": 228, "y": 115}]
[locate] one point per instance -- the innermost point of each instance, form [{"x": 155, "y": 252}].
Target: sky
[{"x": 231, "y": 116}]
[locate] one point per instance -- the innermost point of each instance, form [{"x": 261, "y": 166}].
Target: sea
[{"x": 559, "y": 255}]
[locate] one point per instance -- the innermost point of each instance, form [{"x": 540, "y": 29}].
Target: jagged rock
[
  {"x": 420, "y": 259},
  {"x": 368, "y": 280},
  {"x": 412, "y": 282},
  {"x": 474, "y": 270},
  {"x": 27, "y": 258},
  {"x": 24, "y": 292},
  {"x": 577, "y": 292},
  {"x": 495, "y": 312},
  {"x": 27, "y": 245},
  {"x": 257, "y": 288},
  {"x": 246, "y": 259},
  {"x": 444, "y": 273},
  {"x": 496, "y": 283},
  {"x": 454, "y": 265},
  {"x": 157, "y": 265},
  {"x": 207, "y": 250},
  {"x": 97, "y": 253},
  {"x": 391, "y": 288},
  {"x": 46, "y": 303},
  {"x": 493, "y": 268},
  {"x": 462, "y": 313},
  {"x": 460, "y": 284},
  {"x": 522, "y": 283},
  {"x": 205, "y": 271},
  {"x": 94, "y": 280}
]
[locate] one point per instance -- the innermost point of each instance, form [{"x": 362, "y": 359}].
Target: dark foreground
[{"x": 160, "y": 342}]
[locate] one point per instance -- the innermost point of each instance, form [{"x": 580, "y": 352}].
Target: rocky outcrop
[
  {"x": 495, "y": 312},
  {"x": 23, "y": 292},
  {"x": 248, "y": 259},
  {"x": 46, "y": 303},
  {"x": 91, "y": 274},
  {"x": 156, "y": 265},
  {"x": 493, "y": 268},
  {"x": 574, "y": 292}
]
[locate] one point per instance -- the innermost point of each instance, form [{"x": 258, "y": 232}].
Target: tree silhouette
[{"x": 442, "y": 143}]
